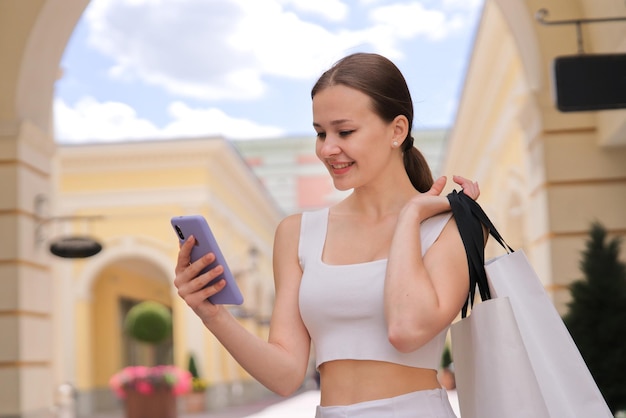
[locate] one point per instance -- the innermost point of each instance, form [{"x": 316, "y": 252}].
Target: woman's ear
[{"x": 400, "y": 126}]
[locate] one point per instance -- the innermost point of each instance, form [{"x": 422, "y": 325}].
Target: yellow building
[
  {"x": 124, "y": 195},
  {"x": 545, "y": 175}
]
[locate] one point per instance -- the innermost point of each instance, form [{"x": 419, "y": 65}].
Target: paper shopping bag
[
  {"x": 494, "y": 376},
  {"x": 563, "y": 377},
  {"x": 513, "y": 352}
]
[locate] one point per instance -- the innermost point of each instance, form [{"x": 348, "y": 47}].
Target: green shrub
[{"x": 149, "y": 322}]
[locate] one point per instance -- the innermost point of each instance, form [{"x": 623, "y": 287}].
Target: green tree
[
  {"x": 198, "y": 384},
  {"x": 192, "y": 367},
  {"x": 597, "y": 315}
]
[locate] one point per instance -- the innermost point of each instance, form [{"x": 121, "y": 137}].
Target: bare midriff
[{"x": 345, "y": 382}]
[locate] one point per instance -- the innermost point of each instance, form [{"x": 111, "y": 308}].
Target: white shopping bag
[
  {"x": 513, "y": 355},
  {"x": 494, "y": 377}
]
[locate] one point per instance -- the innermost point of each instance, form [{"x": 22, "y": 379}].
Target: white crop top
[{"x": 342, "y": 305}]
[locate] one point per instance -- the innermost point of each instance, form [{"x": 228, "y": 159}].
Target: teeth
[{"x": 339, "y": 166}]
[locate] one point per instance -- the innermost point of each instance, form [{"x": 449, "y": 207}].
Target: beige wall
[{"x": 545, "y": 175}]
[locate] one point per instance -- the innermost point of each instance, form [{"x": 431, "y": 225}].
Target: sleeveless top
[{"x": 342, "y": 305}]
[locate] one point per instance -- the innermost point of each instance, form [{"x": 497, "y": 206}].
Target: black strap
[{"x": 470, "y": 218}]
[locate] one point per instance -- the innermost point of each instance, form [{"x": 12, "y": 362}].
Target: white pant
[{"x": 422, "y": 404}]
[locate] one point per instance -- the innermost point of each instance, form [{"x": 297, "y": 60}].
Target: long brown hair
[{"x": 382, "y": 81}]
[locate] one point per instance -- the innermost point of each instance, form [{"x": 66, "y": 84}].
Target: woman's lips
[{"x": 341, "y": 168}]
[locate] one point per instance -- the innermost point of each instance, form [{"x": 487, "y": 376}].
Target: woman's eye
[
  {"x": 321, "y": 135},
  {"x": 345, "y": 133}
]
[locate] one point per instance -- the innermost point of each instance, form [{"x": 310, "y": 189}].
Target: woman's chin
[{"x": 342, "y": 187}]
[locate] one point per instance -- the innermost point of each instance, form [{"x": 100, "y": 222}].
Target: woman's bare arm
[
  {"x": 423, "y": 295},
  {"x": 280, "y": 362}
]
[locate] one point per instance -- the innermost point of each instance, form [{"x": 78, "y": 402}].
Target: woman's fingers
[
  {"x": 193, "y": 285},
  {"x": 199, "y": 296},
  {"x": 195, "y": 289},
  {"x": 184, "y": 255},
  {"x": 470, "y": 188},
  {"x": 437, "y": 186}
]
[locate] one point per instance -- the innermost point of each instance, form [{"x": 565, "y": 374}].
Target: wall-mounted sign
[
  {"x": 75, "y": 247},
  {"x": 590, "y": 82}
]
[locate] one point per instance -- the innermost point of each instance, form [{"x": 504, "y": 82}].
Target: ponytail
[{"x": 416, "y": 166}]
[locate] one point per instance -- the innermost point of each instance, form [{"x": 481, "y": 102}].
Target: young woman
[{"x": 373, "y": 281}]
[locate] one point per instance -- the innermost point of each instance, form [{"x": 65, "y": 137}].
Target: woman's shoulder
[
  {"x": 290, "y": 221},
  {"x": 291, "y": 224},
  {"x": 289, "y": 227}
]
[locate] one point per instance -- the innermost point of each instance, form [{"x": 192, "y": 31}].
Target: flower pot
[
  {"x": 195, "y": 402},
  {"x": 158, "y": 404}
]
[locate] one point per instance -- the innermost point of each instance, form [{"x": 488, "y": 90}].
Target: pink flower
[
  {"x": 184, "y": 381},
  {"x": 146, "y": 380},
  {"x": 116, "y": 384},
  {"x": 143, "y": 387}
]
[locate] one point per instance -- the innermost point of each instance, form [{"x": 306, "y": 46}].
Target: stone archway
[{"x": 34, "y": 35}]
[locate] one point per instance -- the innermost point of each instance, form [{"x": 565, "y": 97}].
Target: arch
[
  {"x": 129, "y": 273},
  {"x": 129, "y": 247},
  {"x": 39, "y": 67},
  {"x": 34, "y": 36}
]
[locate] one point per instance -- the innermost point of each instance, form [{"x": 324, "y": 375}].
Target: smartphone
[{"x": 196, "y": 225}]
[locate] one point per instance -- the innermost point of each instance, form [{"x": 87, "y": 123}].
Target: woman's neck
[{"x": 380, "y": 200}]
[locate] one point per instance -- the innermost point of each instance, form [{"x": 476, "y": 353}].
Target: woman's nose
[{"x": 329, "y": 147}]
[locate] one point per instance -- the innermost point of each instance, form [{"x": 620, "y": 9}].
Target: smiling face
[
  {"x": 354, "y": 102},
  {"x": 353, "y": 142}
]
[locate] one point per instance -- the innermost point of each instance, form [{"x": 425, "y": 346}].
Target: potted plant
[
  {"x": 195, "y": 400},
  {"x": 150, "y": 392}
]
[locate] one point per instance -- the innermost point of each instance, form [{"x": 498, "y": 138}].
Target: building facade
[
  {"x": 124, "y": 195},
  {"x": 545, "y": 174}
]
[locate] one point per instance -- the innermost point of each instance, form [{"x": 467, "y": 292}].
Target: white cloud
[
  {"x": 225, "y": 49},
  {"x": 181, "y": 46},
  {"x": 463, "y": 5},
  {"x": 283, "y": 45},
  {"x": 410, "y": 20},
  {"x": 332, "y": 10},
  {"x": 90, "y": 120},
  {"x": 212, "y": 121}
]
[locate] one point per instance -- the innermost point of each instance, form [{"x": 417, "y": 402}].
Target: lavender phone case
[{"x": 196, "y": 225}]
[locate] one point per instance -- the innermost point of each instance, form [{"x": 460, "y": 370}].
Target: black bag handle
[{"x": 470, "y": 218}]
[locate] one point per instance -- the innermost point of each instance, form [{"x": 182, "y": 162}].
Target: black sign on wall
[{"x": 590, "y": 82}]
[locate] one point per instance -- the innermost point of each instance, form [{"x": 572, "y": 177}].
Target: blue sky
[{"x": 243, "y": 69}]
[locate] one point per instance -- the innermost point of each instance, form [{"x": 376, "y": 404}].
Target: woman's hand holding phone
[
  {"x": 192, "y": 285},
  {"x": 203, "y": 278}
]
